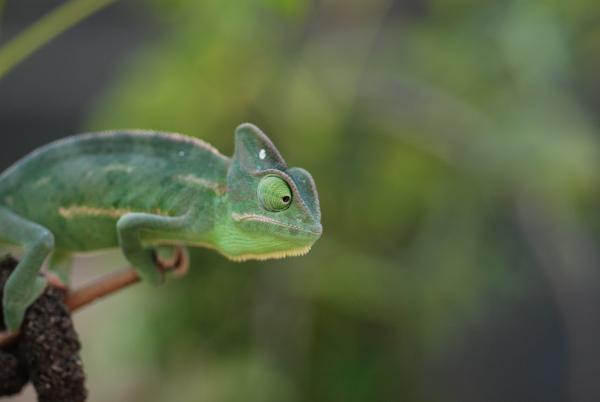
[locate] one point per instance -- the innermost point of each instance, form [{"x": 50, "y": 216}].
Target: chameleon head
[{"x": 272, "y": 211}]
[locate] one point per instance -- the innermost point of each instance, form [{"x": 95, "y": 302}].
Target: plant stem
[
  {"x": 45, "y": 29},
  {"x": 105, "y": 286}
]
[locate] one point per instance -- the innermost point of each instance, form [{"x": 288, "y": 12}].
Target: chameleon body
[{"x": 137, "y": 190}]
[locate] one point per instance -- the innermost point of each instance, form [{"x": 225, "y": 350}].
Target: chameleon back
[{"x": 78, "y": 187}]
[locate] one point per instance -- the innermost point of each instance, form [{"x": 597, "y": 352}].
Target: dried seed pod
[
  {"x": 13, "y": 374},
  {"x": 47, "y": 351}
]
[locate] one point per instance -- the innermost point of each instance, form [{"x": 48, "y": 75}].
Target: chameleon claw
[
  {"x": 176, "y": 262},
  {"x": 56, "y": 282},
  {"x": 8, "y": 337},
  {"x": 183, "y": 262}
]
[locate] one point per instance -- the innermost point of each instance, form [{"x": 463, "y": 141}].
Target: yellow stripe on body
[
  {"x": 78, "y": 211},
  {"x": 217, "y": 188},
  {"x": 118, "y": 167}
]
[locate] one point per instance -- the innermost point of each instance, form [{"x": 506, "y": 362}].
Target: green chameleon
[{"x": 138, "y": 190}]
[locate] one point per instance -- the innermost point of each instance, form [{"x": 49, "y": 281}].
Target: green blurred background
[{"x": 455, "y": 146}]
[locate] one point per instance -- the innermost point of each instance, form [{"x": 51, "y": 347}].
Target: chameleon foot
[
  {"x": 15, "y": 305},
  {"x": 13, "y": 316},
  {"x": 56, "y": 282},
  {"x": 7, "y": 337},
  {"x": 172, "y": 259}
]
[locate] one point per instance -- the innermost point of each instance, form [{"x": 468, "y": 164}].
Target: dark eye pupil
[{"x": 285, "y": 198}]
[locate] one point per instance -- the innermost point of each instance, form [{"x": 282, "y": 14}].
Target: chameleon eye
[{"x": 274, "y": 193}]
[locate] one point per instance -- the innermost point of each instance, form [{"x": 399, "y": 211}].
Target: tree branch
[{"x": 106, "y": 286}]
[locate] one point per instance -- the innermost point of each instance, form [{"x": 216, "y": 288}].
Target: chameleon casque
[{"x": 137, "y": 190}]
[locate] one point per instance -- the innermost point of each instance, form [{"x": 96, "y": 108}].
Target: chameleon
[{"x": 140, "y": 190}]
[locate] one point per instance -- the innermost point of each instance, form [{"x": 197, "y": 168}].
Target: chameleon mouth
[
  {"x": 296, "y": 252},
  {"x": 265, "y": 219}
]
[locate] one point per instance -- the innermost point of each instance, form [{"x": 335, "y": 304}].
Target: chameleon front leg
[
  {"x": 130, "y": 228},
  {"x": 24, "y": 285}
]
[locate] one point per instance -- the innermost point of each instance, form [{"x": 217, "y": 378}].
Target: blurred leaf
[{"x": 421, "y": 129}]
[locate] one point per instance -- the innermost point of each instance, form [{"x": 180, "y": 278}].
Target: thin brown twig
[{"x": 103, "y": 287}]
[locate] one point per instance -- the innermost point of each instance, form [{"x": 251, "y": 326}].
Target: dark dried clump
[
  {"x": 13, "y": 373},
  {"x": 47, "y": 353}
]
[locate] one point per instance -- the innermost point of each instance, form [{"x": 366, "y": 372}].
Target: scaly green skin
[{"x": 136, "y": 190}]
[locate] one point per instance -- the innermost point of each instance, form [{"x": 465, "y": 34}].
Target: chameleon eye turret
[{"x": 274, "y": 193}]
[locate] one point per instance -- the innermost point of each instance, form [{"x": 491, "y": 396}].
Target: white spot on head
[
  {"x": 181, "y": 153},
  {"x": 262, "y": 154}
]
